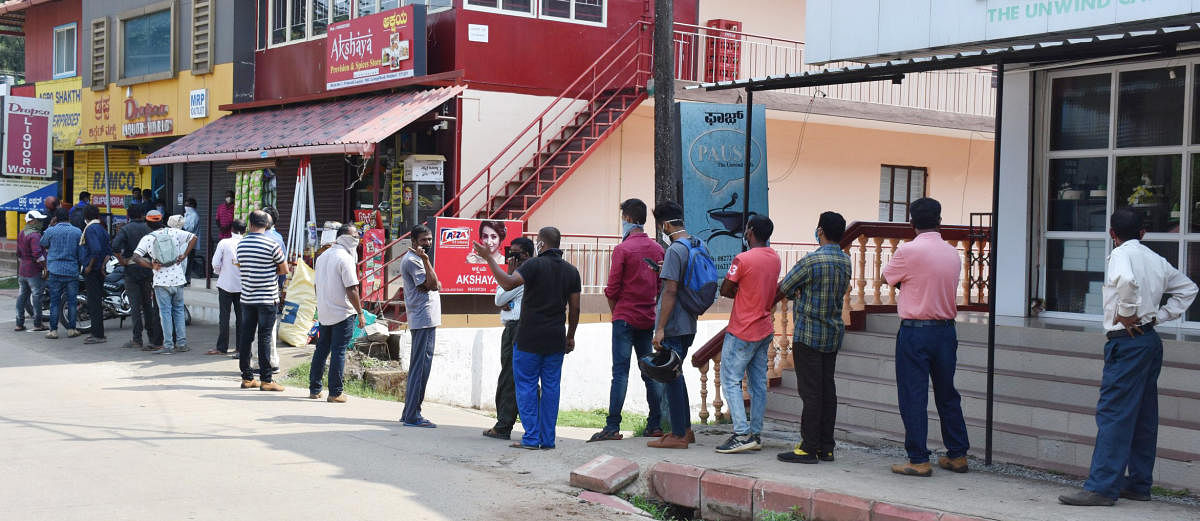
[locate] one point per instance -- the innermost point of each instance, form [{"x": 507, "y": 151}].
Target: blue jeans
[
  {"x": 537, "y": 377},
  {"x": 738, "y": 358},
  {"x": 1127, "y": 416},
  {"x": 171, "y": 314},
  {"x": 63, "y": 289},
  {"x": 922, "y": 354},
  {"x": 625, "y": 341},
  {"x": 331, "y": 343},
  {"x": 29, "y": 298},
  {"x": 676, "y": 391}
]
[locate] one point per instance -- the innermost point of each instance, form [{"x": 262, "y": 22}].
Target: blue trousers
[
  {"x": 742, "y": 358},
  {"x": 331, "y": 343},
  {"x": 676, "y": 391},
  {"x": 924, "y": 354},
  {"x": 420, "y": 363},
  {"x": 1127, "y": 416},
  {"x": 537, "y": 377},
  {"x": 63, "y": 289},
  {"x": 625, "y": 341},
  {"x": 29, "y": 298}
]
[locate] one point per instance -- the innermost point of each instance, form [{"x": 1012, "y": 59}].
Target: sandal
[
  {"x": 492, "y": 433},
  {"x": 653, "y": 433},
  {"x": 524, "y": 446},
  {"x": 606, "y": 435},
  {"x": 19, "y": 328},
  {"x": 215, "y": 352}
]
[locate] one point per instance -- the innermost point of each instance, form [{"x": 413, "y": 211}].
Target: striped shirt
[
  {"x": 258, "y": 257},
  {"x": 818, "y": 284}
]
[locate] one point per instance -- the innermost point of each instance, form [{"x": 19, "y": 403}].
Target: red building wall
[{"x": 40, "y": 21}]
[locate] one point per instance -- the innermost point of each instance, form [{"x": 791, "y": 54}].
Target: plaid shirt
[{"x": 817, "y": 285}]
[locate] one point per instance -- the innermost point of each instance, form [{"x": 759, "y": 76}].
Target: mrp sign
[
  {"x": 713, "y": 159},
  {"x": 27, "y": 147}
]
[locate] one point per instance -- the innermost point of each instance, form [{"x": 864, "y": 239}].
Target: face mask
[
  {"x": 349, "y": 242},
  {"x": 627, "y": 228},
  {"x": 228, "y": 200},
  {"x": 817, "y": 234}
]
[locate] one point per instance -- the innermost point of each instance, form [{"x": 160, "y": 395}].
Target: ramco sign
[{"x": 27, "y": 148}]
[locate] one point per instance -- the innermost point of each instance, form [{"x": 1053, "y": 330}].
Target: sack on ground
[{"x": 300, "y": 308}]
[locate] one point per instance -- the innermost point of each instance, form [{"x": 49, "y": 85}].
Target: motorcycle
[{"x": 115, "y": 303}]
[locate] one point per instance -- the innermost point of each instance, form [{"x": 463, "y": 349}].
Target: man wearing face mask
[
  {"x": 632, "y": 289},
  {"x": 338, "y": 310},
  {"x": 675, "y": 327},
  {"x": 424, "y": 307},
  {"x": 225, "y": 216}
]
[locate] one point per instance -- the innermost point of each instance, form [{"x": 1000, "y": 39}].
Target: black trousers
[
  {"x": 814, "y": 380},
  {"x": 143, "y": 313},
  {"x": 228, "y": 302},
  {"x": 256, "y": 318},
  {"x": 506, "y": 390},
  {"x": 94, "y": 282}
]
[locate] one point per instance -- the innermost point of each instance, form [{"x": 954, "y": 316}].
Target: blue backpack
[{"x": 699, "y": 288}]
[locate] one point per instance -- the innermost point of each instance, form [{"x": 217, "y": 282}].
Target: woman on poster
[{"x": 491, "y": 234}]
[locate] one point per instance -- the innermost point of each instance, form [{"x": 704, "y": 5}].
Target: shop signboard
[
  {"x": 380, "y": 47},
  {"x": 372, "y": 251},
  {"x": 65, "y": 95},
  {"x": 934, "y": 24},
  {"x": 27, "y": 146},
  {"x": 23, "y": 195},
  {"x": 171, "y": 107},
  {"x": 124, "y": 175},
  {"x": 713, "y": 155},
  {"x": 458, "y": 268}
]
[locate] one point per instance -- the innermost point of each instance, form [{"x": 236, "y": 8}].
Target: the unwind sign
[{"x": 946, "y": 24}]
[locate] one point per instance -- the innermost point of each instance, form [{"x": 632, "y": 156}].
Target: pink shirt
[
  {"x": 756, "y": 272},
  {"x": 632, "y": 283},
  {"x": 926, "y": 270}
]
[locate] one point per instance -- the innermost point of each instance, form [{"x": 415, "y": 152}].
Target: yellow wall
[
  {"x": 124, "y": 172},
  {"x": 99, "y": 126},
  {"x": 67, "y": 95}
]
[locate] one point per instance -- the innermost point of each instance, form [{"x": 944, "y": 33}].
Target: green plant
[
  {"x": 657, "y": 510},
  {"x": 8, "y": 283},
  {"x": 791, "y": 515},
  {"x": 598, "y": 418},
  {"x": 1169, "y": 492},
  {"x": 298, "y": 377}
]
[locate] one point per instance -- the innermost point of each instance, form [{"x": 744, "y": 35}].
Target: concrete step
[{"x": 1011, "y": 443}]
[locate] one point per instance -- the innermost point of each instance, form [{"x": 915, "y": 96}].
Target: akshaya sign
[
  {"x": 22, "y": 195},
  {"x": 458, "y": 268},
  {"x": 713, "y": 155},
  {"x": 381, "y": 47},
  {"x": 66, "y": 96},
  {"x": 27, "y": 147}
]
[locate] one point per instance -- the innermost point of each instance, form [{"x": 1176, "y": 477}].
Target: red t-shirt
[{"x": 756, "y": 272}]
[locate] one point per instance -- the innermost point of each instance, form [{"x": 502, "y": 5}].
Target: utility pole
[{"x": 666, "y": 184}]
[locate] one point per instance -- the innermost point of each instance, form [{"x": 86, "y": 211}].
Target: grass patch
[
  {"x": 792, "y": 515},
  {"x": 657, "y": 509},
  {"x": 598, "y": 418},
  {"x": 298, "y": 377},
  {"x": 1169, "y": 492},
  {"x": 8, "y": 283}
]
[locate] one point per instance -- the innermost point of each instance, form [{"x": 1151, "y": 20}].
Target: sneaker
[
  {"x": 341, "y": 398},
  {"x": 738, "y": 443},
  {"x": 53, "y": 335},
  {"x": 670, "y": 441},
  {"x": 270, "y": 386},
  {"x": 798, "y": 455},
  {"x": 923, "y": 470},
  {"x": 163, "y": 351},
  {"x": 182, "y": 348},
  {"x": 826, "y": 455},
  {"x": 1086, "y": 498},
  {"x": 95, "y": 340},
  {"x": 250, "y": 384},
  {"x": 957, "y": 465},
  {"x": 132, "y": 345},
  {"x": 493, "y": 433},
  {"x": 72, "y": 333}
]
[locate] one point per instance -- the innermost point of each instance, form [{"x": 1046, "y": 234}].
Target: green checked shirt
[{"x": 817, "y": 284}]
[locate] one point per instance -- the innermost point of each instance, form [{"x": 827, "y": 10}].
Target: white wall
[{"x": 1016, "y": 146}]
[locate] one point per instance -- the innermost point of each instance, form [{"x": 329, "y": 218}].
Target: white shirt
[
  {"x": 509, "y": 302},
  {"x": 1135, "y": 281},
  {"x": 224, "y": 264},
  {"x": 335, "y": 271},
  {"x": 170, "y": 275}
]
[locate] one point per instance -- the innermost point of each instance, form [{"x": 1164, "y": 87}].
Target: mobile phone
[{"x": 653, "y": 265}]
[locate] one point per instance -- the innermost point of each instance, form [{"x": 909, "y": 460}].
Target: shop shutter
[
  {"x": 329, "y": 180},
  {"x": 202, "y": 29},
  {"x": 195, "y": 184},
  {"x": 285, "y": 186},
  {"x": 99, "y": 70}
]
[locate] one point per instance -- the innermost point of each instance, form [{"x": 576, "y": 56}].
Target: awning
[
  {"x": 349, "y": 126},
  {"x": 1166, "y": 40}
]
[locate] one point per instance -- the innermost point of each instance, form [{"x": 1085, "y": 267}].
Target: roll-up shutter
[
  {"x": 124, "y": 175},
  {"x": 329, "y": 189},
  {"x": 195, "y": 184}
]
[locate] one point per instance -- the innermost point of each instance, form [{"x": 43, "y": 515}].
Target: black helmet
[{"x": 663, "y": 366}]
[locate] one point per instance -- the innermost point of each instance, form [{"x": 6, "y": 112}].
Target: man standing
[
  {"x": 338, "y": 310},
  {"x": 229, "y": 288},
  {"x": 191, "y": 224},
  {"x": 272, "y": 232},
  {"x": 164, "y": 250},
  {"x": 1135, "y": 281},
  {"x": 77, "y": 218},
  {"x": 926, "y": 272},
  {"x": 61, "y": 244},
  {"x": 424, "y": 308},
  {"x": 260, "y": 261},
  {"x": 751, "y": 283},
  {"x": 631, "y": 291},
  {"x": 96, "y": 249},
  {"x": 225, "y": 216},
  {"x": 509, "y": 302},
  {"x": 816, "y": 285},
  {"x": 552, "y": 288},
  {"x": 30, "y": 262},
  {"x": 138, "y": 282},
  {"x": 675, "y": 327}
]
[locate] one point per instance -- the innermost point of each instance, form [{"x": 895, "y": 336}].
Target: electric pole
[{"x": 666, "y": 183}]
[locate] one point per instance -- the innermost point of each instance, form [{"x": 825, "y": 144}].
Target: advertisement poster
[
  {"x": 27, "y": 147},
  {"x": 372, "y": 252},
  {"x": 380, "y": 47},
  {"x": 713, "y": 155},
  {"x": 458, "y": 268},
  {"x": 66, "y": 95},
  {"x": 124, "y": 176},
  {"x": 22, "y": 195}
]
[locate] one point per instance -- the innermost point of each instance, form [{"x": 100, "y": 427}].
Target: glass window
[
  {"x": 1079, "y": 110},
  {"x": 1193, "y": 272},
  {"x": 524, "y": 6},
  {"x": 341, "y": 10},
  {"x": 278, "y": 21},
  {"x": 899, "y": 186},
  {"x": 366, "y": 7},
  {"x": 1195, "y": 200},
  {"x": 299, "y": 20},
  {"x": 143, "y": 47},
  {"x": 1150, "y": 185},
  {"x": 320, "y": 13},
  {"x": 65, "y": 47},
  {"x": 556, "y": 8},
  {"x": 1150, "y": 107},
  {"x": 1078, "y": 194},
  {"x": 384, "y": 5},
  {"x": 589, "y": 10},
  {"x": 1075, "y": 275}
]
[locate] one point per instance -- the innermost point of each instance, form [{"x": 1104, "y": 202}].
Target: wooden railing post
[
  {"x": 785, "y": 341},
  {"x": 862, "y": 270},
  {"x": 877, "y": 287},
  {"x": 718, "y": 403},
  {"x": 703, "y": 393},
  {"x": 892, "y": 245}
]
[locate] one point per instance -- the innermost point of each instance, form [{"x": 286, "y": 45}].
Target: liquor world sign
[
  {"x": 27, "y": 148},
  {"x": 371, "y": 49}
]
